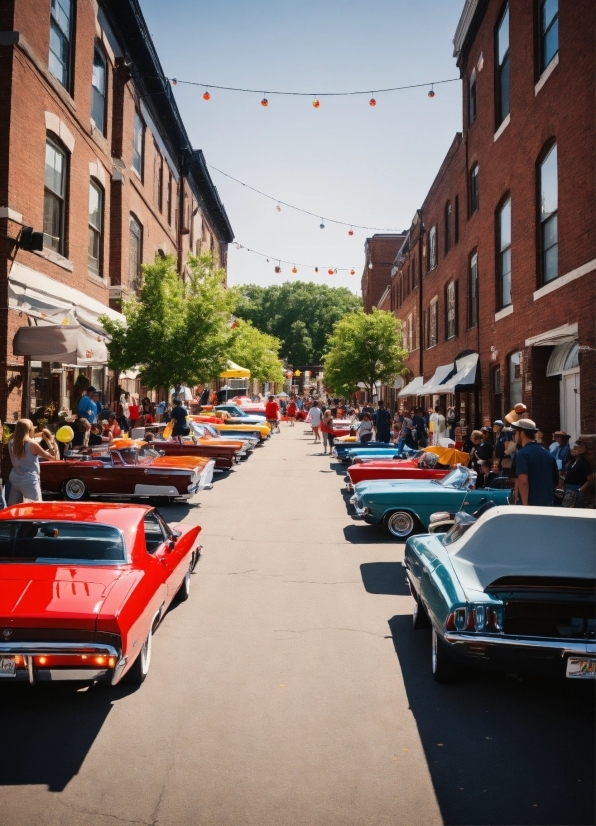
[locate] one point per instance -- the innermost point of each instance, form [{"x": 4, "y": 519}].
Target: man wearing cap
[
  {"x": 580, "y": 476},
  {"x": 87, "y": 407},
  {"x": 536, "y": 470},
  {"x": 560, "y": 448}
]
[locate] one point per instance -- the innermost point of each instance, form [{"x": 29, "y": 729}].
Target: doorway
[{"x": 570, "y": 403}]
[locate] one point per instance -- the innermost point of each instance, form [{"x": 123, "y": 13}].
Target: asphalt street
[{"x": 291, "y": 689}]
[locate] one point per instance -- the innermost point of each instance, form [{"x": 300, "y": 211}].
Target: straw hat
[{"x": 517, "y": 413}]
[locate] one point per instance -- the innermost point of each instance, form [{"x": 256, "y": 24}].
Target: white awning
[
  {"x": 434, "y": 385},
  {"x": 61, "y": 343},
  {"x": 411, "y": 388},
  {"x": 559, "y": 335},
  {"x": 465, "y": 377}
]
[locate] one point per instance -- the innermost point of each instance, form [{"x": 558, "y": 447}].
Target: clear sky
[{"x": 345, "y": 160}]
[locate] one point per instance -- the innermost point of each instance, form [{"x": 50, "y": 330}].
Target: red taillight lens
[{"x": 75, "y": 660}]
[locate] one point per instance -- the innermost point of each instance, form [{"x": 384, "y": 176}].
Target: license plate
[
  {"x": 581, "y": 669},
  {"x": 7, "y": 667}
]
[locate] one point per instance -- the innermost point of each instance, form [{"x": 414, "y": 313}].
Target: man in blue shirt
[
  {"x": 179, "y": 414},
  {"x": 382, "y": 420},
  {"x": 87, "y": 407},
  {"x": 536, "y": 470}
]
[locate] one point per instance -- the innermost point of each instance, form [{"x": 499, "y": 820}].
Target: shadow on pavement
[
  {"x": 384, "y": 578},
  {"x": 366, "y": 535},
  {"x": 501, "y": 751},
  {"x": 339, "y": 468},
  {"x": 47, "y": 731}
]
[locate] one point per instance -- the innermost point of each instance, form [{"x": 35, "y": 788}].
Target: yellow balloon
[{"x": 65, "y": 434}]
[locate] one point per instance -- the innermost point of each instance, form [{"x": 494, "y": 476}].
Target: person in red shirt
[
  {"x": 272, "y": 414},
  {"x": 292, "y": 412}
]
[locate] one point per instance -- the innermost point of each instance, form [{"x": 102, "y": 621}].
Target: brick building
[
  {"x": 379, "y": 254},
  {"x": 94, "y": 155},
  {"x": 494, "y": 282}
]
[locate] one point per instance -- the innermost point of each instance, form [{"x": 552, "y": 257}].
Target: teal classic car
[
  {"x": 404, "y": 506},
  {"x": 512, "y": 591}
]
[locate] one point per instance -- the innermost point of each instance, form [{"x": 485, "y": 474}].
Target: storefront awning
[
  {"x": 434, "y": 385},
  {"x": 411, "y": 388},
  {"x": 465, "y": 377},
  {"x": 61, "y": 343},
  {"x": 234, "y": 371}
]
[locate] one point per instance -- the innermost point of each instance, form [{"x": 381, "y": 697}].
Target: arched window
[
  {"x": 54, "y": 196},
  {"x": 548, "y": 209}
]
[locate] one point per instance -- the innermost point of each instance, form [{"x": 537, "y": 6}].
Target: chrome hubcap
[
  {"x": 75, "y": 488},
  {"x": 434, "y": 651},
  {"x": 401, "y": 524}
]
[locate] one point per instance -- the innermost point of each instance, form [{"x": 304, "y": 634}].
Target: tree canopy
[
  {"x": 366, "y": 348},
  {"x": 176, "y": 332},
  {"x": 301, "y": 315},
  {"x": 256, "y": 351}
]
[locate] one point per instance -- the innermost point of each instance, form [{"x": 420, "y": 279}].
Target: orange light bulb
[
  {"x": 206, "y": 96},
  {"x": 316, "y": 103},
  {"x": 264, "y": 102},
  {"x": 372, "y": 102}
]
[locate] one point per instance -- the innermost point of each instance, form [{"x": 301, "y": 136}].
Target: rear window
[{"x": 50, "y": 542}]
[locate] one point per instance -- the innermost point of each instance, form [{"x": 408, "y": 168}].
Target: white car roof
[{"x": 526, "y": 541}]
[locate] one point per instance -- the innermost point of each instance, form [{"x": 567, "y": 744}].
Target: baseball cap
[
  {"x": 499, "y": 422},
  {"x": 525, "y": 424},
  {"x": 91, "y": 389}
]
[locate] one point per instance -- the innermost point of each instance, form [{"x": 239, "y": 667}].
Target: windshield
[
  {"x": 199, "y": 430},
  {"x": 458, "y": 478},
  {"x": 50, "y": 541},
  {"x": 210, "y": 430},
  {"x": 461, "y": 523}
]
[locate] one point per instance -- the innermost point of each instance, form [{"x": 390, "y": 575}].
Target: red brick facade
[
  {"x": 552, "y": 107},
  {"x": 380, "y": 252},
  {"x": 170, "y": 197}
]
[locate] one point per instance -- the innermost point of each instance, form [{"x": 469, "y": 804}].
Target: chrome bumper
[
  {"x": 29, "y": 650},
  {"x": 562, "y": 647}
]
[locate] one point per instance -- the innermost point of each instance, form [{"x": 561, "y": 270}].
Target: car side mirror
[{"x": 171, "y": 545}]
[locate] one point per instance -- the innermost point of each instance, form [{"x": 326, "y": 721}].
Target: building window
[
  {"x": 549, "y": 31},
  {"x": 137, "y": 144},
  {"x": 158, "y": 177},
  {"x": 474, "y": 191},
  {"x": 504, "y": 247},
  {"x": 432, "y": 324},
  {"x": 448, "y": 217},
  {"x": 549, "y": 201},
  {"x": 95, "y": 227},
  {"x": 416, "y": 334},
  {"x": 432, "y": 247},
  {"x": 135, "y": 254},
  {"x": 169, "y": 198},
  {"x": 98, "y": 90},
  {"x": 472, "y": 99},
  {"x": 473, "y": 291},
  {"x": 54, "y": 197},
  {"x": 515, "y": 379},
  {"x": 410, "y": 340},
  {"x": 414, "y": 274},
  {"x": 404, "y": 334},
  {"x": 451, "y": 310},
  {"x": 60, "y": 40},
  {"x": 497, "y": 381},
  {"x": 456, "y": 220},
  {"x": 503, "y": 67}
]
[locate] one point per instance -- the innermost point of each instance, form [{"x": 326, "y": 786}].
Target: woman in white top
[{"x": 24, "y": 454}]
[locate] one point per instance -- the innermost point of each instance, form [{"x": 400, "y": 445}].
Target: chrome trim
[
  {"x": 38, "y": 649},
  {"x": 360, "y": 512},
  {"x": 52, "y": 675},
  {"x": 562, "y": 646},
  {"x": 30, "y": 670}
]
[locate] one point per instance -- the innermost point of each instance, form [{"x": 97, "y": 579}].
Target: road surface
[{"x": 291, "y": 690}]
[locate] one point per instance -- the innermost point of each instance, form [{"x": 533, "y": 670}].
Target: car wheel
[
  {"x": 401, "y": 524},
  {"x": 444, "y": 668},
  {"x": 140, "y": 668},
  {"x": 74, "y": 490},
  {"x": 419, "y": 616},
  {"x": 183, "y": 592}
]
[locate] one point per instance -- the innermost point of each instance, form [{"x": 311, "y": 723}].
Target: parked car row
[{"x": 85, "y": 584}]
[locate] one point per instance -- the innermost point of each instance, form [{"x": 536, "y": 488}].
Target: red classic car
[
  {"x": 393, "y": 469},
  {"x": 84, "y": 587},
  {"x": 126, "y": 471}
]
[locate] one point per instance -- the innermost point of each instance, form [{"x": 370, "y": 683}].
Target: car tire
[
  {"x": 419, "y": 616},
  {"x": 401, "y": 524},
  {"x": 138, "y": 671},
  {"x": 183, "y": 592},
  {"x": 443, "y": 667},
  {"x": 74, "y": 490}
]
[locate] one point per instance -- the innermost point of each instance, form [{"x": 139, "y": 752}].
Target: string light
[
  {"x": 321, "y": 225},
  {"x": 294, "y": 269},
  {"x": 206, "y": 96},
  {"x": 299, "y": 209},
  {"x": 280, "y": 261},
  {"x": 316, "y": 102},
  {"x": 352, "y": 272},
  {"x": 264, "y": 102}
]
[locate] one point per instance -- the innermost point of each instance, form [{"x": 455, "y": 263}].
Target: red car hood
[{"x": 35, "y": 596}]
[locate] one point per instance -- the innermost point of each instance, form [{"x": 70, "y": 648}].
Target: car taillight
[{"x": 80, "y": 660}]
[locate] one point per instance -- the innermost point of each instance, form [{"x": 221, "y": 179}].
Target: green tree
[
  {"x": 256, "y": 351},
  {"x": 176, "y": 331},
  {"x": 301, "y": 315},
  {"x": 363, "y": 348}
]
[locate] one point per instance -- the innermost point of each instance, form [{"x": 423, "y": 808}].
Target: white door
[{"x": 570, "y": 403}]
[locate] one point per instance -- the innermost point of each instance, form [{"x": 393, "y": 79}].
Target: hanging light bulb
[
  {"x": 278, "y": 208},
  {"x": 264, "y": 102},
  {"x": 321, "y": 225},
  {"x": 174, "y": 81},
  {"x": 350, "y": 231},
  {"x": 330, "y": 272},
  {"x": 352, "y": 272},
  {"x": 370, "y": 266},
  {"x": 294, "y": 269},
  {"x": 372, "y": 101},
  {"x": 316, "y": 103},
  {"x": 267, "y": 260},
  {"x": 431, "y": 94},
  {"x": 206, "y": 95},
  {"x": 316, "y": 269}
]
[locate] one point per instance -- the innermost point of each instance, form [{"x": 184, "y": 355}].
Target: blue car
[
  {"x": 405, "y": 506},
  {"x": 511, "y": 591},
  {"x": 240, "y": 416}
]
